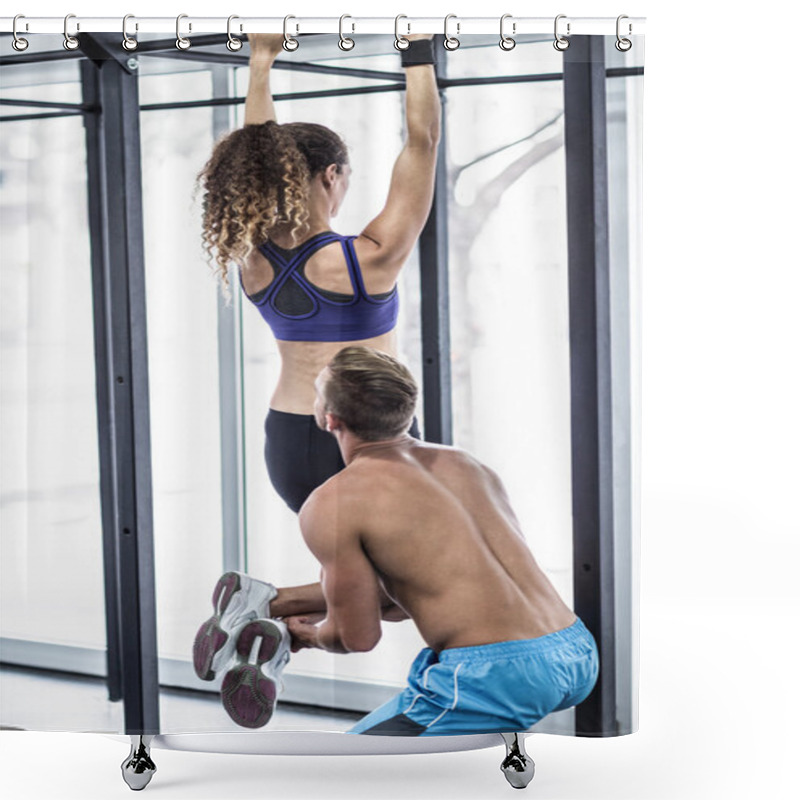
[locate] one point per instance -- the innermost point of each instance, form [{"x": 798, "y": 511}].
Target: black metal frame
[
  {"x": 111, "y": 111},
  {"x": 435, "y": 301},
  {"x": 120, "y": 319},
  {"x": 97, "y": 216},
  {"x": 590, "y": 368}
]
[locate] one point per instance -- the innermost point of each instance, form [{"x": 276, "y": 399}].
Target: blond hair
[{"x": 372, "y": 393}]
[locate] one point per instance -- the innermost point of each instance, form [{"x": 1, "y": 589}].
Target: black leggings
[{"x": 301, "y": 456}]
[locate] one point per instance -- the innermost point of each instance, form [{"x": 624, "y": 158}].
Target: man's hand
[
  {"x": 412, "y": 37},
  {"x": 303, "y": 631}
]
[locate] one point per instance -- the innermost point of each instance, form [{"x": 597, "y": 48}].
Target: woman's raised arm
[
  {"x": 394, "y": 232},
  {"x": 264, "y": 49}
]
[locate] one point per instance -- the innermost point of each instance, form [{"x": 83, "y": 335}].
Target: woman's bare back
[{"x": 301, "y": 362}]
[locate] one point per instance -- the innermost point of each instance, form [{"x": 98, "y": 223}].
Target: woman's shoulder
[{"x": 368, "y": 251}]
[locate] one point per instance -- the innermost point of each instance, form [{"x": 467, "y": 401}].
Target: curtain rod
[{"x": 459, "y": 26}]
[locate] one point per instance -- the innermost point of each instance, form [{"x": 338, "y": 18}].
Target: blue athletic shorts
[{"x": 493, "y": 688}]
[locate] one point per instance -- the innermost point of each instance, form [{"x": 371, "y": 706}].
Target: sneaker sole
[
  {"x": 210, "y": 638},
  {"x": 247, "y": 694}
]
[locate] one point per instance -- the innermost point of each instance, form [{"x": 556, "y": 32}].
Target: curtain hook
[
  {"x": 70, "y": 42},
  {"x": 182, "y": 42},
  {"x": 400, "y": 42},
  {"x": 561, "y": 43},
  {"x": 507, "y": 42},
  {"x": 233, "y": 44},
  {"x": 345, "y": 43},
  {"x": 128, "y": 42},
  {"x": 290, "y": 44},
  {"x": 19, "y": 44},
  {"x": 622, "y": 44},
  {"x": 451, "y": 42}
]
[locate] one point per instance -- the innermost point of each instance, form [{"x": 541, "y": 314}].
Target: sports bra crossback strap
[
  {"x": 353, "y": 266},
  {"x": 288, "y": 268}
]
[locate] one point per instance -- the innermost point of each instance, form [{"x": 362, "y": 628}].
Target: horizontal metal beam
[
  {"x": 302, "y": 66},
  {"x": 448, "y": 83},
  {"x": 624, "y": 72},
  {"x": 444, "y": 83},
  {"x": 232, "y": 101},
  {"x": 51, "y": 115},
  {"x": 233, "y": 60},
  {"x": 7, "y": 101},
  {"x": 36, "y": 58}
]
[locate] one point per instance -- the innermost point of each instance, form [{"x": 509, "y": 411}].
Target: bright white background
[{"x": 719, "y": 607}]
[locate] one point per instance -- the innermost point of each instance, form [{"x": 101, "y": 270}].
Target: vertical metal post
[
  {"x": 121, "y": 363},
  {"x": 590, "y": 368},
  {"x": 435, "y": 302},
  {"x": 231, "y": 413},
  {"x": 102, "y": 388}
]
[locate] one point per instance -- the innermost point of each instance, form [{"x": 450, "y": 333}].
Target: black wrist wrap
[{"x": 420, "y": 51}]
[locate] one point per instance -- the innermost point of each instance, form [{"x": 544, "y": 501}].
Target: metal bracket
[
  {"x": 138, "y": 768},
  {"x": 102, "y": 47},
  {"x": 517, "y": 766}
]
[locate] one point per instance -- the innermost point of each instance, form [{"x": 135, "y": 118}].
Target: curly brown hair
[{"x": 258, "y": 179}]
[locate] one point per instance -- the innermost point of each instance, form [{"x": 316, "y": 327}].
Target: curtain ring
[
  {"x": 622, "y": 44},
  {"x": 233, "y": 44},
  {"x": 451, "y": 42},
  {"x": 507, "y": 42},
  {"x": 345, "y": 43},
  {"x": 19, "y": 44},
  {"x": 128, "y": 42},
  {"x": 70, "y": 42},
  {"x": 182, "y": 43},
  {"x": 400, "y": 42},
  {"x": 561, "y": 43},
  {"x": 290, "y": 44}
]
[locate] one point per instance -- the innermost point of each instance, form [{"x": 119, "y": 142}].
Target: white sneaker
[
  {"x": 250, "y": 688},
  {"x": 238, "y": 599}
]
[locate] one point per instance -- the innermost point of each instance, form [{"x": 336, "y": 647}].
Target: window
[{"x": 50, "y": 504}]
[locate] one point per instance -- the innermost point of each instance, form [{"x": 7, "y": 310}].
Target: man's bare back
[{"x": 437, "y": 530}]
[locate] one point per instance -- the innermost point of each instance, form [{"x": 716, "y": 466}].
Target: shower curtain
[{"x": 142, "y": 395}]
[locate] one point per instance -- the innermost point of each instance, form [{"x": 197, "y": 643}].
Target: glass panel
[
  {"x": 57, "y": 82},
  {"x": 161, "y": 81},
  {"x": 508, "y": 293},
  {"x": 286, "y": 81},
  {"x": 531, "y": 56},
  {"x": 183, "y": 364},
  {"x": 630, "y": 58},
  {"x": 379, "y": 63},
  {"x": 52, "y": 576},
  {"x": 624, "y": 99}
]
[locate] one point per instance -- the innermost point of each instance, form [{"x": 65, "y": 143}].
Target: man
[{"x": 421, "y": 531}]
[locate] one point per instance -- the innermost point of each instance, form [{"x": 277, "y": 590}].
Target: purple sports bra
[{"x": 298, "y": 311}]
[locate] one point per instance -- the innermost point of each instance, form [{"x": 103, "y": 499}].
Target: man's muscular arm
[{"x": 352, "y": 591}]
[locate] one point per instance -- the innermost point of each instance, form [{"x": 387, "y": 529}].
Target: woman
[{"x": 270, "y": 193}]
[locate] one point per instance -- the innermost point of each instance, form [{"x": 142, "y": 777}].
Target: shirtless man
[{"x": 421, "y": 531}]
